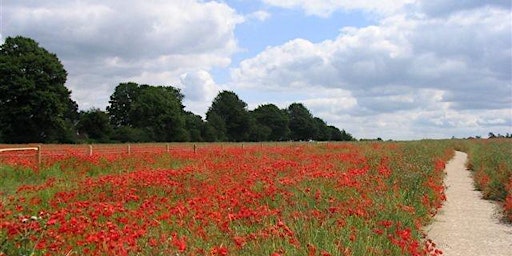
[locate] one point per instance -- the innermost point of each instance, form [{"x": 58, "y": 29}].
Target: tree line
[{"x": 35, "y": 106}]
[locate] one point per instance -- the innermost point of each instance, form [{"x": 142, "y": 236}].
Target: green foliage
[
  {"x": 194, "y": 125},
  {"x": 323, "y": 132},
  {"x": 94, "y": 125},
  {"x": 302, "y": 123},
  {"x": 229, "y": 116},
  {"x": 150, "y": 113},
  {"x": 492, "y": 166},
  {"x": 271, "y": 123},
  {"x": 129, "y": 134},
  {"x": 35, "y": 106},
  {"x": 121, "y": 104}
]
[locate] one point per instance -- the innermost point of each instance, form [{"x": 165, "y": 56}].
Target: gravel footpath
[{"x": 466, "y": 224}]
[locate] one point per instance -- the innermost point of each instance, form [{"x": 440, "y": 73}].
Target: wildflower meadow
[{"x": 371, "y": 198}]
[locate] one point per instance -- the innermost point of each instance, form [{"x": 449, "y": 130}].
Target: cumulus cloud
[
  {"x": 424, "y": 68},
  {"x": 259, "y": 15},
  {"x": 442, "y": 8},
  {"x": 107, "y": 42},
  {"x": 324, "y": 8},
  {"x": 199, "y": 87},
  {"x": 452, "y": 69}
]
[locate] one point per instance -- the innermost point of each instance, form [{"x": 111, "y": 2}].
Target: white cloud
[
  {"x": 407, "y": 72},
  {"x": 443, "y": 7},
  {"x": 199, "y": 86},
  {"x": 259, "y": 15},
  {"x": 199, "y": 89},
  {"x": 426, "y": 68},
  {"x": 325, "y": 8},
  {"x": 108, "y": 42}
]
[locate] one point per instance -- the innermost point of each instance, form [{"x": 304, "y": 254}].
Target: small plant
[{"x": 22, "y": 236}]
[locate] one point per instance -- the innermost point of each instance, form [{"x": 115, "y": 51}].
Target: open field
[
  {"x": 224, "y": 199},
  {"x": 491, "y": 163}
]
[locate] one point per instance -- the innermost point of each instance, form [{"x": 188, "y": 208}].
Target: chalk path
[{"x": 466, "y": 224}]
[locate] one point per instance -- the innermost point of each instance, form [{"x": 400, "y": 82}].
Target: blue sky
[{"x": 395, "y": 69}]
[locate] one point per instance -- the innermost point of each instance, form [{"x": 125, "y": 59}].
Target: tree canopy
[
  {"x": 229, "y": 116},
  {"x": 94, "y": 125},
  {"x": 272, "y": 122},
  {"x": 154, "y": 111},
  {"x": 35, "y": 106},
  {"x": 302, "y": 123}
]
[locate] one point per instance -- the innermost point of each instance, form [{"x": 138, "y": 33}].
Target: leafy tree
[
  {"x": 209, "y": 132},
  {"x": 156, "y": 111},
  {"x": 257, "y": 131},
  {"x": 271, "y": 122},
  {"x": 345, "y": 136},
  {"x": 302, "y": 124},
  {"x": 194, "y": 125},
  {"x": 121, "y": 104},
  {"x": 130, "y": 134},
  {"x": 35, "y": 106},
  {"x": 159, "y": 112},
  {"x": 337, "y": 135},
  {"x": 323, "y": 132},
  {"x": 229, "y": 116},
  {"x": 94, "y": 124}
]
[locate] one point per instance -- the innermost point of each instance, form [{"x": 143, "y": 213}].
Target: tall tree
[
  {"x": 323, "y": 132},
  {"x": 156, "y": 111},
  {"x": 159, "y": 112},
  {"x": 35, "y": 106},
  {"x": 94, "y": 125},
  {"x": 302, "y": 123},
  {"x": 194, "y": 126},
  {"x": 273, "y": 120},
  {"x": 229, "y": 114},
  {"x": 122, "y": 103}
]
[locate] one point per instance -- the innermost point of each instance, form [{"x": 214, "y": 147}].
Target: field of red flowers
[
  {"x": 491, "y": 164},
  {"x": 223, "y": 199}
]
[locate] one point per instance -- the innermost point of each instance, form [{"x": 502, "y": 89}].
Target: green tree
[
  {"x": 337, "y": 135},
  {"x": 94, "y": 125},
  {"x": 302, "y": 124},
  {"x": 156, "y": 111},
  {"x": 121, "y": 104},
  {"x": 272, "y": 122},
  {"x": 229, "y": 116},
  {"x": 347, "y": 136},
  {"x": 194, "y": 126},
  {"x": 257, "y": 131},
  {"x": 323, "y": 133},
  {"x": 160, "y": 113},
  {"x": 35, "y": 106},
  {"x": 130, "y": 134}
]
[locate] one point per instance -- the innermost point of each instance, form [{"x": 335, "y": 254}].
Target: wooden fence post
[
  {"x": 167, "y": 147},
  {"x": 90, "y": 150},
  {"x": 129, "y": 149},
  {"x": 39, "y": 156}
]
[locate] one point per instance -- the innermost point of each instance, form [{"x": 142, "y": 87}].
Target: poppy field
[
  {"x": 224, "y": 199},
  {"x": 491, "y": 165}
]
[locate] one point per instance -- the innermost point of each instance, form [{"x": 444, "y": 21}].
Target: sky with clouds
[{"x": 395, "y": 69}]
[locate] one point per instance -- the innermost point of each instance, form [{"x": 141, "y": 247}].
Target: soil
[{"x": 467, "y": 224}]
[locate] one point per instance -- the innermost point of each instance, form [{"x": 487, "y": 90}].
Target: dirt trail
[{"x": 467, "y": 224}]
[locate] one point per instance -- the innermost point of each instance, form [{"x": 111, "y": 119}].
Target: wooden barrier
[{"x": 38, "y": 149}]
